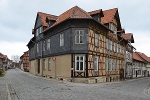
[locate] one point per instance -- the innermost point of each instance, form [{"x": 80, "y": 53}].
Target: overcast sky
[{"x": 17, "y": 18}]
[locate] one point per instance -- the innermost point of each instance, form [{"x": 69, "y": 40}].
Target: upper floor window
[
  {"x": 113, "y": 27},
  {"x": 115, "y": 47},
  {"x": 39, "y": 30},
  {"x": 37, "y": 47},
  {"x": 79, "y": 36},
  {"x": 62, "y": 39},
  {"x": 110, "y": 44},
  {"x": 48, "y": 44},
  {"x": 79, "y": 62},
  {"x": 43, "y": 45},
  {"x": 96, "y": 39},
  {"x": 107, "y": 44}
]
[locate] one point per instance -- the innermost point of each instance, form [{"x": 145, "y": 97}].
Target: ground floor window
[
  {"x": 49, "y": 64},
  {"x": 44, "y": 65},
  {"x": 79, "y": 62},
  {"x": 95, "y": 63}
]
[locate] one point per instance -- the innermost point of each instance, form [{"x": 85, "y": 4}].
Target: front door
[{"x": 121, "y": 74}]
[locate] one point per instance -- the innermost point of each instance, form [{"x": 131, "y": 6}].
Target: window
[
  {"x": 62, "y": 39},
  {"x": 116, "y": 65},
  {"x": 37, "y": 47},
  {"x": 43, "y": 45},
  {"x": 79, "y": 36},
  {"x": 113, "y": 28},
  {"x": 96, "y": 39},
  {"x": 106, "y": 64},
  {"x": 115, "y": 47},
  {"x": 48, "y": 44},
  {"x": 39, "y": 30},
  {"x": 110, "y": 64},
  {"x": 96, "y": 63},
  {"x": 79, "y": 62},
  {"x": 49, "y": 64},
  {"x": 110, "y": 45},
  {"x": 44, "y": 64},
  {"x": 107, "y": 44}
]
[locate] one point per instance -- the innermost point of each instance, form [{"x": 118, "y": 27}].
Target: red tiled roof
[
  {"x": 127, "y": 36},
  {"x": 144, "y": 56},
  {"x": 43, "y": 17},
  {"x": 137, "y": 57},
  {"x": 108, "y": 15},
  {"x": 95, "y": 12},
  {"x": 74, "y": 12}
]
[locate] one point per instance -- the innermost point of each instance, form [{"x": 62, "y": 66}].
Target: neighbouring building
[
  {"x": 24, "y": 61},
  {"x": 139, "y": 66},
  {"x": 3, "y": 61},
  {"x": 129, "y": 54},
  {"x": 146, "y": 71},
  {"x": 78, "y": 46}
]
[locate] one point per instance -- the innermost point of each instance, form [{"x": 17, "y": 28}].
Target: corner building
[{"x": 78, "y": 46}]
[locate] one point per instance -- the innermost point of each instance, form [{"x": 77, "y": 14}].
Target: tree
[{"x": 15, "y": 58}]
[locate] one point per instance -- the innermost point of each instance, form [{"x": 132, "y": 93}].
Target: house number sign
[{"x": 54, "y": 58}]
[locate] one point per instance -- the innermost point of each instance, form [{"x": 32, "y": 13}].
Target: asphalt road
[{"x": 25, "y": 86}]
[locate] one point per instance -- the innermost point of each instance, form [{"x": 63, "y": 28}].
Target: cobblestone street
[{"x": 25, "y": 86}]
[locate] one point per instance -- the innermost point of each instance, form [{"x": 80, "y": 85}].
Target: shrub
[{"x": 1, "y": 73}]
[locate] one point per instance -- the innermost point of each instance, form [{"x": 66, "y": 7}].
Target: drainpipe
[{"x": 42, "y": 56}]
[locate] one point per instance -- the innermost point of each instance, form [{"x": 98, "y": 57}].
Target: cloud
[{"x": 14, "y": 48}]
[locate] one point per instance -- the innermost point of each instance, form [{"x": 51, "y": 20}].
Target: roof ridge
[
  {"x": 84, "y": 11},
  {"x": 48, "y": 14}
]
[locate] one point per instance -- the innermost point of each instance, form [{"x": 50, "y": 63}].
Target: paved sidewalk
[{"x": 3, "y": 89}]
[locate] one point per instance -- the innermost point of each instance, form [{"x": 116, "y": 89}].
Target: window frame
[
  {"x": 97, "y": 63},
  {"x": 48, "y": 44},
  {"x": 44, "y": 64},
  {"x": 83, "y": 61},
  {"x": 49, "y": 64},
  {"x": 62, "y": 39},
  {"x": 79, "y": 36},
  {"x": 44, "y": 45},
  {"x": 96, "y": 39}
]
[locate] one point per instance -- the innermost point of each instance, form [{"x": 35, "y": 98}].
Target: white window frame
[
  {"x": 110, "y": 64},
  {"x": 116, "y": 65},
  {"x": 79, "y": 36},
  {"x": 62, "y": 39},
  {"x": 115, "y": 47},
  {"x": 48, "y": 44},
  {"x": 44, "y": 64},
  {"x": 76, "y": 61},
  {"x": 107, "y": 44},
  {"x": 96, "y": 63},
  {"x": 96, "y": 39},
  {"x": 110, "y": 45},
  {"x": 37, "y": 47},
  {"x": 43, "y": 45},
  {"x": 106, "y": 64},
  {"x": 49, "y": 63}
]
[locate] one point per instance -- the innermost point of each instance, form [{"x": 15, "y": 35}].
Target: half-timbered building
[{"x": 78, "y": 46}]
